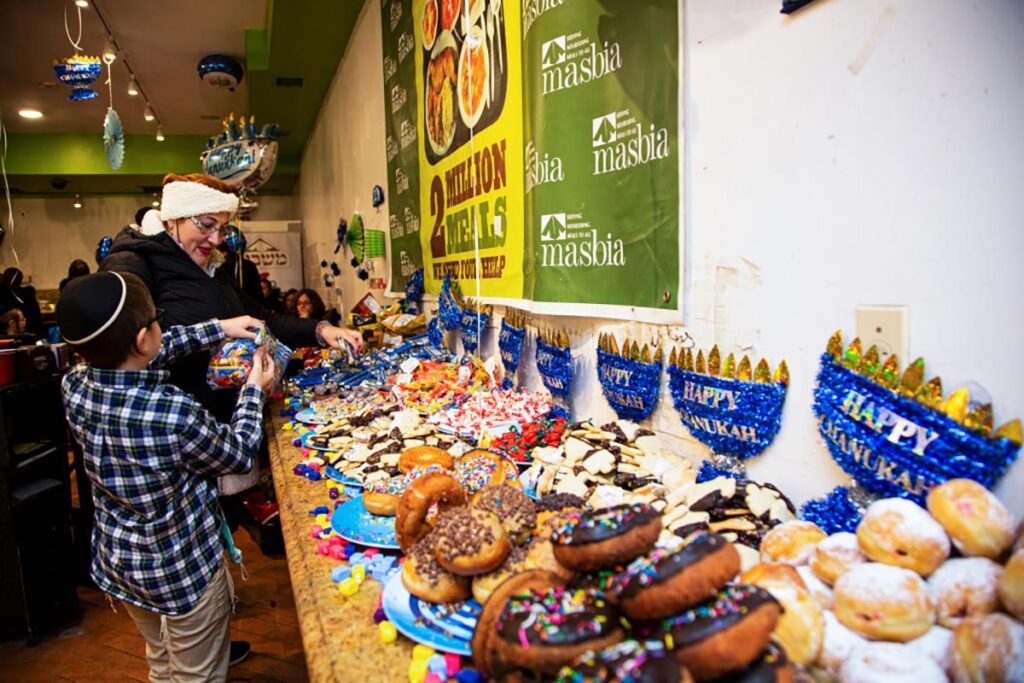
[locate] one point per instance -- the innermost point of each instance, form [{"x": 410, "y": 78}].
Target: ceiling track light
[
  {"x": 109, "y": 51},
  {"x": 148, "y": 113},
  {"x": 78, "y": 202},
  {"x": 133, "y": 87},
  {"x": 84, "y": 4},
  {"x": 159, "y": 133}
]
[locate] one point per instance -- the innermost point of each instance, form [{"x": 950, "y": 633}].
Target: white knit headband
[
  {"x": 184, "y": 199},
  {"x": 110, "y": 320}
]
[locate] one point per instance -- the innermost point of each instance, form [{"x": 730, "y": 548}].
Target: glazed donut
[
  {"x": 723, "y": 634},
  {"x": 629, "y": 661},
  {"x": 834, "y": 556},
  {"x": 469, "y": 541},
  {"x": 512, "y": 507},
  {"x": 892, "y": 663},
  {"x": 434, "y": 488},
  {"x": 607, "y": 537},
  {"x": 965, "y": 587},
  {"x": 791, "y": 542},
  {"x": 485, "y": 634},
  {"x": 801, "y": 628},
  {"x": 484, "y": 584},
  {"x": 773, "y": 666},
  {"x": 937, "y": 644},
  {"x": 1011, "y": 585},
  {"x": 478, "y": 469},
  {"x": 424, "y": 456},
  {"x": 819, "y": 590},
  {"x": 770, "y": 576},
  {"x": 978, "y": 523},
  {"x": 839, "y": 642},
  {"x": 543, "y": 630},
  {"x": 898, "y": 532},
  {"x": 427, "y": 580},
  {"x": 884, "y": 602},
  {"x": 988, "y": 648},
  {"x": 663, "y": 582},
  {"x": 381, "y": 496}
]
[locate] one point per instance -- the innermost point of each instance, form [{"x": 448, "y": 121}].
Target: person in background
[
  {"x": 13, "y": 322},
  {"x": 249, "y": 278},
  {"x": 13, "y": 295},
  {"x": 308, "y": 304},
  {"x": 289, "y": 298},
  {"x": 271, "y": 294},
  {"x": 78, "y": 268}
]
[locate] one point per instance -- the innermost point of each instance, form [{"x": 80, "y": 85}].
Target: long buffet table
[{"x": 338, "y": 633}]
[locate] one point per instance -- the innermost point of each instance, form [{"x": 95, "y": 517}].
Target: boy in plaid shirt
[{"x": 153, "y": 455}]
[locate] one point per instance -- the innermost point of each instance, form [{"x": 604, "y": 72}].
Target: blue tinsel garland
[
  {"x": 631, "y": 386},
  {"x": 834, "y": 512}
]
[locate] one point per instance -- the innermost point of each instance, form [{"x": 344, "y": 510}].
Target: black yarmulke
[{"x": 89, "y": 303}]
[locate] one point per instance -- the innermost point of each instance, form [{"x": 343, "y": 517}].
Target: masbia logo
[
  {"x": 568, "y": 241},
  {"x": 573, "y": 60},
  {"x": 534, "y": 8},
  {"x": 265, "y": 255},
  {"x": 621, "y": 142},
  {"x": 541, "y": 169}
]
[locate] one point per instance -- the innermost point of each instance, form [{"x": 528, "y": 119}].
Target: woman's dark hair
[
  {"x": 78, "y": 268},
  {"x": 117, "y": 342},
  {"x": 318, "y": 304}
]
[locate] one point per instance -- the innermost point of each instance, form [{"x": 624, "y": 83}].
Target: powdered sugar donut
[
  {"x": 937, "y": 644},
  {"x": 978, "y": 523},
  {"x": 818, "y": 589},
  {"x": 965, "y": 587},
  {"x": 801, "y": 628},
  {"x": 900, "y": 533},
  {"x": 791, "y": 542},
  {"x": 988, "y": 648},
  {"x": 884, "y": 602},
  {"x": 838, "y": 644},
  {"x": 835, "y": 555},
  {"x": 891, "y": 663},
  {"x": 1011, "y": 585}
]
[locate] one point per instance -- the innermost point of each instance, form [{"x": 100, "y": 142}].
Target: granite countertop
[{"x": 338, "y": 633}]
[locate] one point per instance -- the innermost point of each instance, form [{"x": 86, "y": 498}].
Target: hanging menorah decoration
[{"x": 630, "y": 378}]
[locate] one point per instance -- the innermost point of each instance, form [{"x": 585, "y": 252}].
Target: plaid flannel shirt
[{"x": 152, "y": 453}]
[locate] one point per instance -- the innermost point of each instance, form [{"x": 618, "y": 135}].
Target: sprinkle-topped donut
[
  {"x": 601, "y": 525},
  {"x": 660, "y": 564},
  {"x": 556, "y": 617},
  {"x": 729, "y": 606},
  {"x": 627, "y": 662},
  {"x": 394, "y": 486}
]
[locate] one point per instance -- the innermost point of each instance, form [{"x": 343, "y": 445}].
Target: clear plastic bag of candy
[{"x": 232, "y": 360}]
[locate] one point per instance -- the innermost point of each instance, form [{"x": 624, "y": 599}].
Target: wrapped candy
[{"x": 232, "y": 360}]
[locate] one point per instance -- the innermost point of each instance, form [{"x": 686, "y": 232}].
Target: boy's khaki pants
[{"x": 195, "y": 646}]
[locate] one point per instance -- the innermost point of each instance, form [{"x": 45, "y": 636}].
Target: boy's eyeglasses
[
  {"x": 207, "y": 225},
  {"x": 158, "y": 318}
]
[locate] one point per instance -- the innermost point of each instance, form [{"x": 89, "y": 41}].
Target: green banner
[{"x": 401, "y": 140}]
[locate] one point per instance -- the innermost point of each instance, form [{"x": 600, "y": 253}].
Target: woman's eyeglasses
[
  {"x": 207, "y": 225},
  {"x": 158, "y": 318}
]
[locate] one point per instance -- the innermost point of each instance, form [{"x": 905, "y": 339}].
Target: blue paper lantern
[
  {"x": 221, "y": 71},
  {"x": 234, "y": 239},
  {"x": 103, "y": 248}
]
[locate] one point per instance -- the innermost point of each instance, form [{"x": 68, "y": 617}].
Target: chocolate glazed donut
[
  {"x": 604, "y": 538},
  {"x": 771, "y": 667},
  {"x": 662, "y": 582},
  {"x": 721, "y": 635}
]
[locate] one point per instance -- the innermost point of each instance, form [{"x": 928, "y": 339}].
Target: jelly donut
[
  {"x": 834, "y": 556},
  {"x": 663, "y": 582},
  {"x": 627, "y": 662},
  {"x": 839, "y": 642},
  {"x": 723, "y": 634},
  {"x": 1011, "y": 585},
  {"x": 791, "y": 542},
  {"x": 484, "y": 634},
  {"x": 434, "y": 488},
  {"x": 988, "y": 648},
  {"x": 423, "y": 577},
  {"x": 484, "y": 584},
  {"x": 937, "y": 644},
  {"x": 773, "y": 666},
  {"x": 479, "y": 469},
  {"x": 898, "y": 532},
  {"x": 978, "y": 523},
  {"x": 819, "y": 590},
  {"x": 468, "y": 541},
  {"x": 604, "y": 538},
  {"x": 543, "y": 630},
  {"x": 801, "y": 628},
  {"x": 891, "y": 663},
  {"x": 424, "y": 456},
  {"x": 964, "y": 587},
  {"x": 884, "y": 602},
  {"x": 771, "y": 575},
  {"x": 512, "y": 507}
]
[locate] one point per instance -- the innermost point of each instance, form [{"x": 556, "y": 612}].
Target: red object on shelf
[{"x": 7, "y": 358}]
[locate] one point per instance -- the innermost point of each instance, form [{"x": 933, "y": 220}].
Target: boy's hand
[
  {"x": 337, "y": 336},
  {"x": 242, "y": 327},
  {"x": 262, "y": 373}
]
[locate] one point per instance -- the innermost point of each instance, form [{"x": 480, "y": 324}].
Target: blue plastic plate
[
  {"x": 308, "y": 416},
  {"x": 337, "y": 476},
  {"x": 305, "y": 442},
  {"x": 352, "y": 522},
  {"x": 428, "y": 624}
]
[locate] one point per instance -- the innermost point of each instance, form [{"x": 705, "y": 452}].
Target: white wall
[
  {"x": 50, "y": 232},
  {"x": 861, "y": 152}
]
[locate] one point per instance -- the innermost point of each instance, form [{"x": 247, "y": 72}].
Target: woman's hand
[
  {"x": 336, "y": 337},
  {"x": 262, "y": 373},
  {"x": 242, "y": 327}
]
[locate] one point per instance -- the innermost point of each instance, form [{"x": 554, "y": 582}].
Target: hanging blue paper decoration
[
  {"x": 335, "y": 269},
  {"x": 414, "y": 291},
  {"x": 113, "y": 139},
  {"x": 447, "y": 308},
  {"x": 472, "y": 326},
  {"x": 555, "y": 366},
  {"x": 103, "y": 248},
  {"x": 629, "y": 384},
  {"x": 895, "y": 435},
  {"x": 510, "y": 343},
  {"x": 79, "y": 72},
  {"x": 378, "y": 196},
  {"x": 834, "y": 512},
  {"x": 221, "y": 71},
  {"x": 738, "y": 413},
  {"x": 234, "y": 239},
  {"x": 342, "y": 236}
]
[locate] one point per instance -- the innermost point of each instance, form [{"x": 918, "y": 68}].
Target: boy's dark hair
[{"x": 87, "y": 302}]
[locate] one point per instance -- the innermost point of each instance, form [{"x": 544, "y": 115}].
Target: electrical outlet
[{"x": 885, "y": 327}]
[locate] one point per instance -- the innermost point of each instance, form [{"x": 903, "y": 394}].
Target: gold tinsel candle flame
[
  {"x": 659, "y": 355},
  {"x": 763, "y": 372},
  {"x": 688, "y": 360},
  {"x": 634, "y": 351},
  {"x": 869, "y": 364},
  {"x": 1011, "y": 430},
  {"x": 851, "y": 357},
  {"x": 781, "y": 375},
  {"x": 979, "y": 419},
  {"x": 835, "y": 345},
  {"x": 729, "y": 368},
  {"x": 930, "y": 393},
  {"x": 955, "y": 405},
  {"x": 714, "y": 361},
  {"x": 701, "y": 367},
  {"x": 613, "y": 345},
  {"x": 672, "y": 356},
  {"x": 889, "y": 375},
  {"x": 743, "y": 372},
  {"x": 645, "y": 354},
  {"x": 912, "y": 378}
]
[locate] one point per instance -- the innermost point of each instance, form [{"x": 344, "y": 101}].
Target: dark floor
[{"x": 105, "y": 646}]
